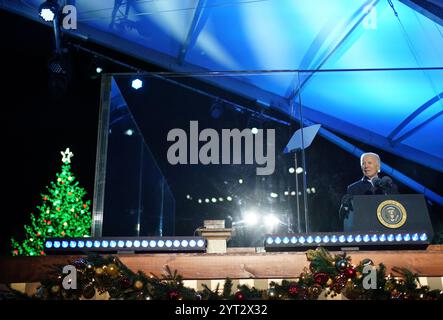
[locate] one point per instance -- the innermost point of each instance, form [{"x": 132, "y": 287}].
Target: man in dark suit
[{"x": 371, "y": 183}]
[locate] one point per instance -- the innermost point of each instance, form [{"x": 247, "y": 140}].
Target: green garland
[{"x": 326, "y": 275}]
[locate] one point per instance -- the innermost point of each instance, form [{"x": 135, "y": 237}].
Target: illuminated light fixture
[
  {"x": 254, "y": 130},
  {"x": 214, "y": 200},
  {"x": 286, "y": 193},
  {"x": 273, "y": 195},
  {"x": 313, "y": 190},
  {"x": 146, "y": 244},
  {"x": 129, "y": 132},
  {"x": 199, "y": 200},
  {"x": 137, "y": 84},
  {"x": 341, "y": 240},
  {"x": 207, "y": 200},
  {"x": 299, "y": 170},
  {"x": 229, "y": 198},
  {"x": 250, "y": 218},
  {"x": 271, "y": 220},
  {"x": 292, "y": 193},
  {"x": 291, "y": 170},
  {"x": 220, "y": 199},
  {"x": 240, "y": 181},
  {"x": 48, "y": 10},
  {"x": 188, "y": 197}
]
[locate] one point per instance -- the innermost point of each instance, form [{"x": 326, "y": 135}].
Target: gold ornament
[
  {"x": 99, "y": 271},
  {"x": 55, "y": 289},
  {"x": 112, "y": 270},
  {"x": 138, "y": 285},
  {"x": 329, "y": 282}
]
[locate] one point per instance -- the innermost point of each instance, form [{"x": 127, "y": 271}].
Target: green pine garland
[
  {"x": 63, "y": 213},
  {"x": 327, "y": 275}
]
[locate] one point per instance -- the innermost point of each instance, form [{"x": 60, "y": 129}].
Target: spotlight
[
  {"x": 250, "y": 218},
  {"x": 137, "y": 84},
  {"x": 271, "y": 220},
  {"x": 48, "y": 10}
]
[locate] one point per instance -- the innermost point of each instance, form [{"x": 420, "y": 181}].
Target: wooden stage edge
[{"x": 237, "y": 263}]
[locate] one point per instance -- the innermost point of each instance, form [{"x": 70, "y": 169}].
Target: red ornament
[
  {"x": 62, "y": 233},
  {"x": 49, "y": 222},
  {"x": 321, "y": 278},
  {"x": 84, "y": 205},
  {"x": 350, "y": 272},
  {"x": 44, "y": 199},
  {"x": 69, "y": 193},
  {"x": 38, "y": 234},
  {"x": 174, "y": 295},
  {"x": 44, "y": 220},
  {"x": 293, "y": 290},
  {"x": 58, "y": 209},
  {"x": 15, "y": 252},
  {"x": 239, "y": 295},
  {"x": 42, "y": 253},
  {"x": 63, "y": 182}
]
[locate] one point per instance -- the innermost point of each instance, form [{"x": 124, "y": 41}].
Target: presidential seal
[{"x": 391, "y": 214}]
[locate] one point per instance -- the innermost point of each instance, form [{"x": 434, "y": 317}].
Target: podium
[{"x": 406, "y": 213}]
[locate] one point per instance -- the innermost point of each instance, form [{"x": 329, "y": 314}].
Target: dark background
[{"x": 37, "y": 126}]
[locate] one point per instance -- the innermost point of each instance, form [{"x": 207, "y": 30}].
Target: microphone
[{"x": 346, "y": 206}]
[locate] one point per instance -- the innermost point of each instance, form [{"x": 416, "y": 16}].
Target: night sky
[{"x": 38, "y": 125}]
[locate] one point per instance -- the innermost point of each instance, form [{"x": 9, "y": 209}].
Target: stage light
[
  {"x": 214, "y": 200},
  {"x": 137, "y": 84},
  {"x": 308, "y": 191},
  {"x": 273, "y": 195},
  {"x": 292, "y": 193},
  {"x": 220, "y": 199},
  {"x": 254, "y": 130},
  {"x": 299, "y": 170},
  {"x": 286, "y": 193},
  {"x": 313, "y": 190},
  {"x": 250, "y": 218},
  {"x": 199, "y": 200},
  {"x": 99, "y": 70},
  {"x": 339, "y": 241},
  {"x": 207, "y": 200},
  {"x": 153, "y": 244},
  {"x": 271, "y": 220},
  {"x": 228, "y": 198},
  {"x": 129, "y": 132},
  {"x": 48, "y": 10},
  {"x": 240, "y": 181},
  {"x": 188, "y": 197},
  {"x": 291, "y": 170}
]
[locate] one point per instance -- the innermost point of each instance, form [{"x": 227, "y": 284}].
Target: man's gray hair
[{"x": 376, "y": 156}]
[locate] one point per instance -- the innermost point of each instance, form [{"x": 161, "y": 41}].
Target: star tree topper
[{"x": 67, "y": 155}]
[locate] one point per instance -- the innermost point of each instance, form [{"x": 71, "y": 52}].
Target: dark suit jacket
[{"x": 364, "y": 187}]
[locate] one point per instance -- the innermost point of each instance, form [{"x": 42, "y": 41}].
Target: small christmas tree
[{"x": 64, "y": 213}]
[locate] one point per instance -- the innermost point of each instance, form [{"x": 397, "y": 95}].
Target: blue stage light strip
[
  {"x": 345, "y": 239},
  {"x": 109, "y": 244}
]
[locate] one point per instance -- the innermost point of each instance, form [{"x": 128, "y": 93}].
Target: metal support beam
[
  {"x": 198, "y": 22},
  {"x": 432, "y": 9}
]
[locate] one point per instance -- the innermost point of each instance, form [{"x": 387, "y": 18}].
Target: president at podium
[{"x": 370, "y": 184}]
